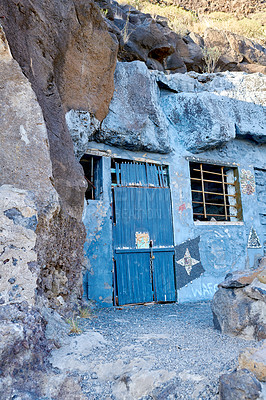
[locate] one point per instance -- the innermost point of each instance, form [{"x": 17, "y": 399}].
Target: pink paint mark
[{"x": 182, "y": 207}]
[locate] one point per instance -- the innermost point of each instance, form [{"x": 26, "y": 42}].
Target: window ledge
[{"x": 218, "y": 222}]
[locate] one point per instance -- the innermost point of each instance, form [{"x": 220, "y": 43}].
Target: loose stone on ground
[{"x": 165, "y": 352}]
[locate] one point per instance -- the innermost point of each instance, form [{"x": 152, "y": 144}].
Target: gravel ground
[{"x": 159, "y": 352}]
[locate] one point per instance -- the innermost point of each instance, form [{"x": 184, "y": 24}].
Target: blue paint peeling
[{"x": 222, "y": 245}]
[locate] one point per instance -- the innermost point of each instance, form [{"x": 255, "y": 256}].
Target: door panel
[
  {"x": 134, "y": 284},
  {"x": 164, "y": 280},
  {"x": 143, "y": 210},
  {"x": 260, "y": 176}
]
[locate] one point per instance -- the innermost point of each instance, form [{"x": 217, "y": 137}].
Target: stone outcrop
[
  {"x": 248, "y": 380},
  {"x": 23, "y": 347},
  {"x": 144, "y": 38},
  {"x": 18, "y": 221},
  {"x": 200, "y": 111},
  {"x": 255, "y": 361},
  {"x": 135, "y": 119},
  {"x": 239, "y": 305},
  {"x": 62, "y": 57},
  {"x": 238, "y": 7},
  {"x": 237, "y": 53},
  {"x": 239, "y": 385}
]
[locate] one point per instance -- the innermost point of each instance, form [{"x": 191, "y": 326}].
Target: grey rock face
[
  {"x": 210, "y": 109},
  {"x": 18, "y": 220},
  {"x": 239, "y": 307},
  {"x": 135, "y": 120},
  {"x": 201, "y": 121},
  {"x": 149, "y": 110},
  {"x": 82, "y": 126},
  {"x": 239, "y": 385},
  {"x": 23, "y": 346}
]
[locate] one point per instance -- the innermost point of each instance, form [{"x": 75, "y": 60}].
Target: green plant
[
  {"x": 85, "y": 312},
  {"x": 104, "y": 12},
  {"x": 211, "y": 57},
  {"x": 74, "y": 327},
  {"x": 124, "y": 31}
]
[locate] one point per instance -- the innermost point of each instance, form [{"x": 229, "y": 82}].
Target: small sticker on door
[{"x": 142, "y": 240}]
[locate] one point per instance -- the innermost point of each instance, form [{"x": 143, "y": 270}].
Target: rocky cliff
[
  {"x": 54, "y": 55},
  {"x": 148, "y": 38},
  {"x": 239, "y": 7},
  {"x": 62, "y": 57}
]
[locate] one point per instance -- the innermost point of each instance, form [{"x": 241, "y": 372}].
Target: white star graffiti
[{"x": 187, "y": 261}]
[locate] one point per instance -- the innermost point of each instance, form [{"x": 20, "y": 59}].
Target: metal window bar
[
  {"x": 207, "y": 180},
  {"x": 215, "y": 204},
  {"x": 207, "y": 172},
  {"x": 225, "y": 209},
  {"x": 218, "y": 194},
  {"x": 203, "y": 193}
]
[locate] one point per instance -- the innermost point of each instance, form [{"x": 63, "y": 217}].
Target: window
[
  {"x": 92, "y": 166},
  {"x": 139, "y": 174},
  {"x": 215, "y": 192}
]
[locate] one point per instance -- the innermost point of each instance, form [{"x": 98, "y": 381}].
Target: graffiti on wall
[
  {"x": 187, "y": 262},
  {"x": 253, "y": 239},
  {"x": 247, "y": 182},
  {"x": 206, "y": 290},
  {"x": 142, "y": 240}
]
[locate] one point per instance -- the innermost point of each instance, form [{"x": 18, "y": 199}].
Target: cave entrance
[{"x": 142, "y": 233}]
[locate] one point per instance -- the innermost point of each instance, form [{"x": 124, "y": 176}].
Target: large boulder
[
  {"x": 239, "y": 305},
  {"x": 199, "y": 111},
  {"x": 255, "y": 361},
  {"x": 135, "y": 120},
  {"x": 239, "y": 385},
  {"x": 202, "y": 121},
  {"x": 207, "y": 110}
]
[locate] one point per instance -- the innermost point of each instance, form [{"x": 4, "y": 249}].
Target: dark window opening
[
  {"x": 139, "y": 174},
  {"x": 215, "y": 193},
  {"x": 92, "y": 166}
]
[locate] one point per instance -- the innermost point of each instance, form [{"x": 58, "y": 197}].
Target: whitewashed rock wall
[{"x": 151, "y": 111}]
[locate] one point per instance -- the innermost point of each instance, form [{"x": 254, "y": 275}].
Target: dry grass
[
  {"x": 74, "y": 326},
  {"x": 85, "y": 312},
  {"x": 183, "y": 22}
]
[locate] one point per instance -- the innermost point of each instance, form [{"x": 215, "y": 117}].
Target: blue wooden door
[{"x": 143, "y": 236}]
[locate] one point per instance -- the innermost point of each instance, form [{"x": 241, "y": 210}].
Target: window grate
[
  {"x": 92, "y": 166},
  {"x": 215, "y": 193},
  {"x": 139, "y": 174}
]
